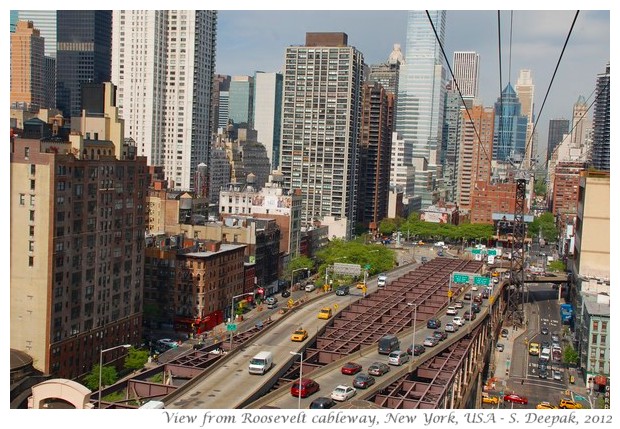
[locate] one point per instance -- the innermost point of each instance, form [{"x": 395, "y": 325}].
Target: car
[
  {"x": 433, "y": 323},
  {"x": 542, "y": 366},
  {"x": 299, "y": 335},
  {"x": 545, "y": 345},
  {"x": 424, "y": 259},
  {"x": 430, "y": 342},
  {"x": 378, "y": 368},
  {"x": 342, "y": 290},
  {"x": 557, "y": 375},
  {"x": 439, "y": 244},
  {"x": 322, "y": 402},
  {"x": 544, "y": 330},
  {"x": 440, "y": 253},
  {"x": 398, "y": 357},
  {"x": 418, "y": 349},
  {"x": 308, "y": 387},
  {"x": 516, "y": 399},
  {"x": 569, "y": 403},
  {"x": 343, "y": 392},
  {"x": 556, "y": 344},
  {"x": 285, "y": 293},
  {"x": 310, "y": 287},
  {"x": 499, "y": 347},
  {"x": 440, "y": 335},
  {"x": 452, "y": 311},
  {"x": 556, "y": 354},
  {"x": 351, "y": 368},
  {"x": 363, "y": 380},
  {"x": 458, "y": 320},
  {"x": 325, "y": 313},
  {"x": 451, "y": 327},
  {"x": 360, "y": 285},
  {"x": 478, "y": 299},
  {"x": 534, "y": 349},
  {"x": 467, "y": 296},
  {"x": 167, "y": 343},
  {"x": 474, "y": 288},
  {"x": 469, "y": 315},
  {"x": 555, "y": 338},
  {"x": 458, "y": 304},
  {"x": 485, "y": 293},
  {"x": 420, "y": 243},
  {"x": 504, "y": 333},
  {"x": 496, "y": 280},
  {"x": 488, "y": 399},
  {"x": 476, "y": 308},
  {"x": 544, "y": 374},
  {"x": 271, "y": 300},
  {"x": 544, "y": 405}
]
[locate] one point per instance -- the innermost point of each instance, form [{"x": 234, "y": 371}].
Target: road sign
[
  {"x": 476, "y": 251},
  {"x": 231, "y": 326},
  {"x": 367, "y": 266},
  {"x": 347, "y": 269},
  {"x": 460, "y": 278},
  {"x": 492, "y": 252},
  {"x": 450, "y": 293},
  {"x": 481, "y": 280}
]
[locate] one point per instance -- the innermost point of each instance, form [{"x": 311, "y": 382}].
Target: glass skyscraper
[
  {"x": 510, "y": 127},
  {"x": 601, "y": 123},
  {"x": 420, "y": 102}
]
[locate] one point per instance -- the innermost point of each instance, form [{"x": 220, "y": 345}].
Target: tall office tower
[
  {"x": 45, "y": 22},
  {"x": 557, "y": 129},
  {"x": 77, "y": 243},
  {"x": 14, "y": 17},
  {"x": 450, "y": 144},
  {"x": 387, "y": 73},
  {"x": 421, "y": 94},
  {"x": 525, "y": 92},
  {"x": 465, "y": 66},
  {"x": 320, "y": 126},
  {"x": 601, "y": 123},
  {"x": 475, "y": 151},
  {"x": 268, "y": 113},
  {"x": 510, "y": 127},
  {"x": 219, "y": 103},
  {"x": 580, "y": 122},
  {"x": 163, "y": 63},
  {"x": 83, "y": 54},
  {"x": 241, "y": 101},
  {"x": 374, "y": 156},
  {"x": 219, "y": 172},
  {"x": 27, "y": 67}
]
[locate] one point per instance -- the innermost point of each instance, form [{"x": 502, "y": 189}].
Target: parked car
[
  {"x": 517, "y": 399},
  {"x": 363, "y": 380},
  {"x": 430, "y": 342},
  {"x": 285, "y": 293},
  {"x": 378, "y": 368},
  {"x": 452, "y": 311},
  {"x": 433, "y": 323},
  {"x": 299, "y": 335},
  {"x": 418, "y": 349},
  {"x": 310, "y": 287},
  {"x": 451, "y": 327},
  {"x": 343, "y": 392},
  {"x": 351, "y": 368},
  {"x": 308, "y": 387},
  {"x": 321, "y": 403}
]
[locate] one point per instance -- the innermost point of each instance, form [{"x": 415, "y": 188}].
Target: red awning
[{"x": 601, "y": 380}]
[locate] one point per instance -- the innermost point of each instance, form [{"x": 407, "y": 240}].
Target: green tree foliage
[
  {"x": 136, "y": 359},
  {"x": 109, "y": 376},
  {"x": 540, "y": 185},
  {"x": 545, "y": 224},
  {"x": 570, "y": 355},
  {"x": 298, "y": 263},
  {"x": 379, "y": 257},
  {"x": 556, "y": 266},
  {"x": 416, "y": 229}
]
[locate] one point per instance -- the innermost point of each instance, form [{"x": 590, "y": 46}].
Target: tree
[
  {"x": 136, "y": 359},
  {"x": 570, "y": 356},
  {"x": 545, "y": 225},
  {"x": 540, "y": 186},
  {"x": 556, "y": 266},
  {"x": 109, "y": 376}
]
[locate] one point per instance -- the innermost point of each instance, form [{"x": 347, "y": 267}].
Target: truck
[
  {"x": 382, "y": 280},
  {"x": 566, "y": 313},
  {"x": 261, "y": 363}
]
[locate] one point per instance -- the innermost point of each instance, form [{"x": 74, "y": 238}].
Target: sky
[{"x": 250, "y": 40}]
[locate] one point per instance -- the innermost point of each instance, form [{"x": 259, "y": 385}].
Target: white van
[
  {"x": 310, "y": 287},
  {"x": 381, "y": 280},
  {"x": 261, "y": 363}
]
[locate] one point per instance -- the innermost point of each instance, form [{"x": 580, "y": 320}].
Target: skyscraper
[
  {"x": 510, "y": 127},
  {"x": 525, "y": 92},
  {"x": 580, "y": 122},
  {"x": 163, "y": 63},
  {"x": 45, "y": 22},
  {"x": 83, "y": 54},
  {"x": 557, "y": 129},
  {"x": 320, "y": 126},
  {"x": 241, "y": 100},
  {"x": 421, "y": 95},
  {"x": 27, "y": 67},
  {"x": 466, "y": 69},
  {"x": 268, "y": 113},
  {"x": 601, "y": 123}
]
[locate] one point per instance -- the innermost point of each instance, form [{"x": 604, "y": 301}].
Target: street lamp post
[
  {"x": 126, "y": 346},
  {"x": 301, "y": 369},
  {"x": 415, "y": 317},
  {"x": 232, "y": 313}
]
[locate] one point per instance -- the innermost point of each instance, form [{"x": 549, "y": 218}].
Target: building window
[
  {"x": 32, "y": 200},
  {"x": 32, "y": 230},
  {"x": 603, "y": 326},
  {"x": 26, "y": 152},
  {"x": 32, "y": 183},
  {"x": 603, "y": 340},
  {"x": 594, "y": 339},
  {"x": 595, "y": 325},
  {"x": 31, "y": 246},
  {"x": 31, "y": 261},
  {"x": 22, "y": 199},
  {"x": 33, "y": 169}
]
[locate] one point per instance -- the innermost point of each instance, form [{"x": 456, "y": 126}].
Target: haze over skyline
[{"x": 251, "y": 40}]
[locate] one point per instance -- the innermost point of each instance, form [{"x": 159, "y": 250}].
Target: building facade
[
  {"x": 466, "y": 69},
  {"x": 163, "y": 64},
  {"x": 510, "y": 127},
  {"x": 601, "y": 123},
  {"x": 241, "y": 101},
  {"x": 321, "y": 115},
  {"x": 45, "y": 21},
  {"x": 558, "y": 128},
  {"x": 28, "y": 68},
  {"x": 488, "y": 198},
  {"x": 268, "y": 113}
]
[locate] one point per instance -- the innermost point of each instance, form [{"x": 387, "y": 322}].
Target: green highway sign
[
  {"x": 481, "y": 281},
  {"x": 231, "y": 326},
  {"x": 460, "y": 278},
  {"x": 476, "y": 251},
  {"x": 492, "y": 252}
]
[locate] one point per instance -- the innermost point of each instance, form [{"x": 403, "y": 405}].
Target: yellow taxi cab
[
  {"x": 544, "y": 405},
  {"x": 488, "y": 399},
  {"x": 534, "y": 348},
  {"x": 325, "y": 313},
  {"x": 420, "y": 243},
  {"x": 569, "y": 403},
  {"x": 360, "y": 285},
  {"x": 299, "y": 335},
  {"x": 495, "y": 274}
]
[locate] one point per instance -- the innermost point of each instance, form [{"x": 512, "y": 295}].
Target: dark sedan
[
  {"x": 363, "y": 380},
  {"x": 418, "y": 349},
  {"x": 378, "y": 368}
]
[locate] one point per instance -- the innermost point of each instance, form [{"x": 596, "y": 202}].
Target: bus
[{"x": 566, "y": 313}]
